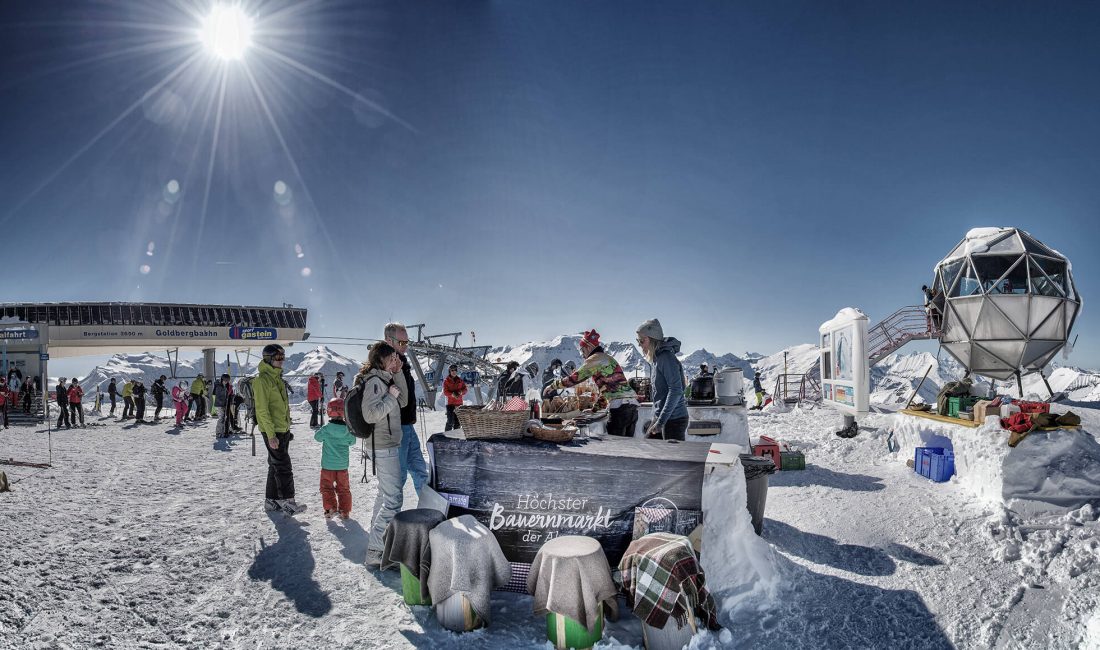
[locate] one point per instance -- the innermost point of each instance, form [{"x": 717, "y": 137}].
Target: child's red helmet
[{"x": 335, "y": 408}]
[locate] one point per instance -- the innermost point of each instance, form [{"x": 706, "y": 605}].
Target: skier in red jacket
[
  {"x": 454, "y": 388},
  {"x": 314, "y": 395}
]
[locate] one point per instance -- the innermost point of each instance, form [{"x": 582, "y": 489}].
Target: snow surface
[{"x": 144, "y": 535}]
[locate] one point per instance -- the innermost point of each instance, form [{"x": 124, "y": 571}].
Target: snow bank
[
  {"x": 1050, "y": 471},
  {"x": 1053, "y": 470},
  {"x": 740, "y": 567},
  {"x": 845, "y": 315}
]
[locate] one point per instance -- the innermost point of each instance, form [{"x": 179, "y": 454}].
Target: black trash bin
[{"x": 757, "y": 469}]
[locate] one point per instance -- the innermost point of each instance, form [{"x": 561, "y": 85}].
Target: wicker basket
[
  {"x": 550, "y": 433},
  {"x": 479, "y": 424}
]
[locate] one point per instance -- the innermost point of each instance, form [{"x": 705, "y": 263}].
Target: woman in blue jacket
[{"x": 670, "y": 413}]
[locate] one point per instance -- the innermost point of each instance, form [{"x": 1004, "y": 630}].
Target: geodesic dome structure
[{"x": 1008, "y": 302}]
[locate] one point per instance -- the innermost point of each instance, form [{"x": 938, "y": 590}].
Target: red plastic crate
[{"x": 770, "y": 448}]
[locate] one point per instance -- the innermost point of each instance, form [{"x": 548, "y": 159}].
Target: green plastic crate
[
  {"x": 792, "y": 460},
  {"x": 956, "y": 404}
]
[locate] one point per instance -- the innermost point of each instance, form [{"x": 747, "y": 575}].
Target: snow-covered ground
[{"x": 144, "y": 536}]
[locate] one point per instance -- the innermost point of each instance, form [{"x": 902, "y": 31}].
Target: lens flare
[{"x": 227, "y": 32}]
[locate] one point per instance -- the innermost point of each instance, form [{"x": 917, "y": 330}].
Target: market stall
[
  {"x": 731, "y": 423},
  {"x": 528, "y": 491}
]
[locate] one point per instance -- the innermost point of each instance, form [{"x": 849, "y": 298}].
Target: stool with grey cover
[
  {"x": 406, "y": 540},
  {"x": 467, "y": 563},
  {"x": 571, "y": 582}
]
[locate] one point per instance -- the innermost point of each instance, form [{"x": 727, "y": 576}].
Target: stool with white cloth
[
  {"x": 571, "y": 582},
  {"x": 467, "y": 563}
]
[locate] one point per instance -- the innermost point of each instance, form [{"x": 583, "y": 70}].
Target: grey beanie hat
[{"x": 652, "y": 329}]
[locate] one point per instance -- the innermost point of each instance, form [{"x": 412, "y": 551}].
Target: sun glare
[{"x": 227, "y": 32}]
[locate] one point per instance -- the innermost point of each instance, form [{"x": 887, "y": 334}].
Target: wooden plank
[
  {"x": 928, "y": 415},
  {"x": 970, "y": 423}
]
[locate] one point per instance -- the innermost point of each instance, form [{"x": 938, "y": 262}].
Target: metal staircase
[
  {"x": 797, "y": 388},
  {"x": 906, "y": 324}
]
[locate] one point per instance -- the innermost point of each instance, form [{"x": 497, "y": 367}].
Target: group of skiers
[
  {"x": 188, "y": 399},
  {"x": 16, "y": 393}
]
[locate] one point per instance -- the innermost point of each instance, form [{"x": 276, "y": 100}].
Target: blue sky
[{"x": 523, "y": 169}]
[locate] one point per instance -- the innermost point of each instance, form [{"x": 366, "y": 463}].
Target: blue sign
[
  {"x": 19, "y": 334},
  {"x": 253, "y": 333},
  {"x": 43, "y": 356}
]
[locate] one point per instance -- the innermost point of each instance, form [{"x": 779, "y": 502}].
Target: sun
[{"x": 227, "y": 32}]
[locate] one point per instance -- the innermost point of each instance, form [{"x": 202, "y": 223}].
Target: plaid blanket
[{"x": 662, "y": 578}]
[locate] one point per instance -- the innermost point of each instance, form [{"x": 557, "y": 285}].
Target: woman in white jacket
[{"x": 381, "y": 408}]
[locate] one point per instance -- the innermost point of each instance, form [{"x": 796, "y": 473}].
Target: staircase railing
[{"x": 906, "y": 324}]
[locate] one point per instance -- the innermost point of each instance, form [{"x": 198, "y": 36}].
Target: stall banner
[{"x": 528, "y": 492}]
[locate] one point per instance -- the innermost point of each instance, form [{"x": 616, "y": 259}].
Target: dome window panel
[
  {"x": 992, "y": 323},
  {"x": 967, "y": 311},
  {"x": 984, "y": 362},
  {"x": 1033, "y": 245},
  {"x": 961, "y": 352},
  {"x": 1009, "y": 352},
  {"x": 992, "y": 269},
  {"x": 1053, "y": 327},
  {"x": 1036, "y": 350},
  {"x": 1009, "y": 243},
  {"x": 950, "y": 275},
  {"x": 969, "y": 283},
  {"x": 1055, "y": 271},
  {"x": 1041, "y": 284},
  {"x": 1016, "y": 308}
]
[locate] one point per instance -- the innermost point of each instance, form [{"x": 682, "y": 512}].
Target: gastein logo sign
[{"x": 253, "y": 333}]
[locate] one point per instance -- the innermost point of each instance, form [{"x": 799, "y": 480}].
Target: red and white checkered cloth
[{"x": 516, "y": 404}]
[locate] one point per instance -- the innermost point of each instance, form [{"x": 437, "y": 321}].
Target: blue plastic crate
[{"x": 935, "y": 463}]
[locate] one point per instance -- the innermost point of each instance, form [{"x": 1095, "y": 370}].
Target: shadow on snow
[{"x": 288, "y": 564}]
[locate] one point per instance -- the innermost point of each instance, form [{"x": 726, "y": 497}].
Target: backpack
[
  {"x": 244, "y": 389},
  {"x": 353, "y": 411},
  {"x": 952, "y": 389}
]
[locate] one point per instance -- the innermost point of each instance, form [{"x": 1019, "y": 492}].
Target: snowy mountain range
[{"x": 893, "y": 379}]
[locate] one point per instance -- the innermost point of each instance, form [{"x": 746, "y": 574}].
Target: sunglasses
[
  {"x": 278, "y": 357},
  {"x": 400, "y": 342}
]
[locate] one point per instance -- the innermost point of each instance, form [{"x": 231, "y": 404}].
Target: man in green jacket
[
  {"x": 198, "y": 396},
  {"x": 273, "y": 417}
]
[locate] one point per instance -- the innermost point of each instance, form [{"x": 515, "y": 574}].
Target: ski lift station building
[
  {"x": 31, "y": 333},
  {"x": 1007, "y": 300}
]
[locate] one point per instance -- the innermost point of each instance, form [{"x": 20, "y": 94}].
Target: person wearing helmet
[
  {"x": 273, "y": 417},
  {"x": 223, "y": 399},
  {"x": 198, "y": 396},
  {"x": 335, "y": 440},
  {"x": 179, "y": 400},
  {"x": 339, "y": 388}
]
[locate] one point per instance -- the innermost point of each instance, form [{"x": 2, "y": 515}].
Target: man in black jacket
[
  {"x": 62, "y": 403},
  {"x": 112, "y": 391},
  {"x": 139, "y": 400},
  {"x": 158, "y": 394},
  {"x": 412, "y": 459},
  {"x": 511, "y": 382}
]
